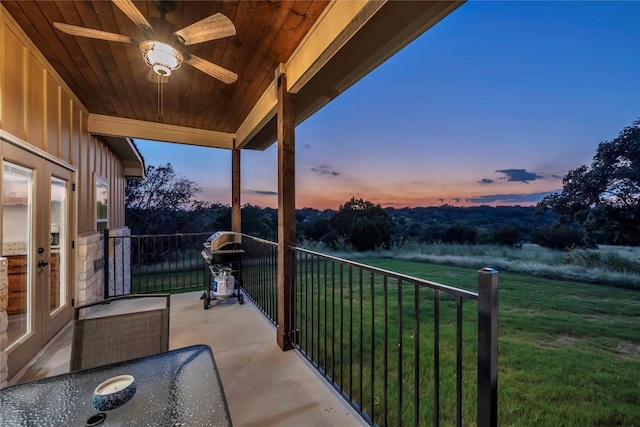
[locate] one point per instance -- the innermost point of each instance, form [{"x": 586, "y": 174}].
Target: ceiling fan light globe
[{"x": 162, "y": 57}]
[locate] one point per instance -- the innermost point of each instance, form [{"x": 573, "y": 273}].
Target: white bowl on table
[{"x": 113, "y": 392}]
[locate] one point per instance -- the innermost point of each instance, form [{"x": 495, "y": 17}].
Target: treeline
[
  {"x": 358, "y": 223},
  {"x": 509, "y": 225}
]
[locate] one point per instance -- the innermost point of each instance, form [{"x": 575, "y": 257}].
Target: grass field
[
  {"x": 617, "y": 266},
  {"x": 167, "y": 281},
  {"x": 569, "y": 352}
]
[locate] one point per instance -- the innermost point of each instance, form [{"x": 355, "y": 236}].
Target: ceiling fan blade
[
  {"x": 211, "y": 28},
  {"x": 212, "y": 69},
  {"x": 133, "y": 13},
  {"x": 91, "y": 33}
]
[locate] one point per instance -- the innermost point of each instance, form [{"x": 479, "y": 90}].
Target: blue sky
[{"x": 491, "y": 106}]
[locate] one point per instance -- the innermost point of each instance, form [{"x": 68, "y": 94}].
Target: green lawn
[
  {"x": 167, "y": 281},
  {"x": 569, "y": 352}
]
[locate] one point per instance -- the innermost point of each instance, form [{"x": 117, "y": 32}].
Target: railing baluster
[
  {"x": 436, "y": 358},
  {"x": 458, "y": 362},
  {"x": 262, "y": 285},
  {"x": 416, "y": 340},
  {"x": 306, "y": 303},
  {"x": 333, "y": 323},
  {"x": 267, "y": 301},
  {"x": 139, "y": 267},
  {"x": 318, "y": 314},
  {"x": 324, "y": 361},
  {"x": 400, "y": 352},
  {"x": 191, "y": 245},
  {"x": 361, "y": 400},
  {"x": 265, "y": 286},
  {"x": 184, "y": 257},
  {"x": 166, "y": 259},
  {"x": 256, "y": 269},
  {"x": 385, "y": 368},
  {"x": 373, "y": 345},
  {"x": 274, "y": 283},
  {"x": 341, "y": 329},
  {"x": 351, "y": 332},
  {"x": 145, "y": 257},
  {"x": 155, "y": 268},
  {"x": 295, "y": 310},
  {"x": 270, "y": 294},
  {"x": 313, "y": 330}
]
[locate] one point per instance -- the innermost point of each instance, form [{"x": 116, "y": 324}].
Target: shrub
[
  {"x": 557, "y": 236},
  {"x": 508, "y": 235},
  {"x": 460, "y": 233}
]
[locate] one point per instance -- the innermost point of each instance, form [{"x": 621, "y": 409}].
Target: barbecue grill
[{"x": 222, "y": 250}]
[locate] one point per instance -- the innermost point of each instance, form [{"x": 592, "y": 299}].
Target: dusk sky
[{"x": 493, "y": 105}]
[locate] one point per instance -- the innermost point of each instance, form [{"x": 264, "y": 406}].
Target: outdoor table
[{"x": 177, "y": 388}]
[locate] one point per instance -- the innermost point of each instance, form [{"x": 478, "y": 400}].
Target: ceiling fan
[{"x": 164, "y": 48}]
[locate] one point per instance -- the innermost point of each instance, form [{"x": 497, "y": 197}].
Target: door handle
[{"x": 42, "y": 264}]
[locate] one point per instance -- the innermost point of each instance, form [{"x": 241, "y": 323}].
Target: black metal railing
[
  {"x": 260, "y": 274},
  {"x": 400, "y": 350},
  {"x": 152, "y": 263}
]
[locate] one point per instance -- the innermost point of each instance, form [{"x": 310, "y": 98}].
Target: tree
[
  {"x": 364, "y": 225},
  {"x": 460, "y": 233},
  {"x": 557, "y": 236},
  {"x": 605, "y": 196},
  {"x": 163, "y": 202},
  {"x": 162, "y": 188},
  {"x": 507, "y": 235}
]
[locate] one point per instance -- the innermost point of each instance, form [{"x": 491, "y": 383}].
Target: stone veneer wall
[
  {"x": 120, "y": 256},
  {"x": 91, "y": 265},
  {"x": 4, "y": 321},
  {"x": 89, "y": 268}
]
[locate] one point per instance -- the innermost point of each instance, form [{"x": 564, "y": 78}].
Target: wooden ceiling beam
[
  {"x": 339, "y": 22},
  {"x": 260, "y": 115},
  {"x": 139, "y": 129},
  {"x": 333, "y": 28}
]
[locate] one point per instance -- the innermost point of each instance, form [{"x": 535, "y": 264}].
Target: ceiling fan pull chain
[{"x": 160, "y": 101}]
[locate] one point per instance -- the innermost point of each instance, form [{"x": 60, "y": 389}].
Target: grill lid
[{"x": 220, "y": 239}]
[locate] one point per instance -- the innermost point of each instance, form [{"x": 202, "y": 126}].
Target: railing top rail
[
  {"x": 257, "y": 239},
  {"x": 422, "y": 282},
  {"x": 162, "y": 235}
]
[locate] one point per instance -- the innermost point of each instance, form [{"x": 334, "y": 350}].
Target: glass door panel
[
  {"x": 57, "y": 275},
  {"x": 37, "y": 231},
  {"x": 58, "y": 244},
  {"x": 17, "y": 240}
]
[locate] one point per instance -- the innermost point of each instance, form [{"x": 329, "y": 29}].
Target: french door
[{"x": 37, "y": 231}]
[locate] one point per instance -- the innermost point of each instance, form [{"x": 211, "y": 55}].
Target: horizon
[
  {"x": 495, "y": 104},
  {"x": 228, "y": 205}
]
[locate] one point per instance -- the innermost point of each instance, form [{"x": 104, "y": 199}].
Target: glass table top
[{"x": 177, "y": 388}]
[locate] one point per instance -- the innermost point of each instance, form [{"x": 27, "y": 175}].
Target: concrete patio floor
[{"x": 263, "y": 385}]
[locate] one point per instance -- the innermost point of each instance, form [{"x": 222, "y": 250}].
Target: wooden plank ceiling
[{"x": 111, "y": 78}]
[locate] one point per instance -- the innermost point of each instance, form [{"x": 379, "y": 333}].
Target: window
[{"x": 102, "y": 203}]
